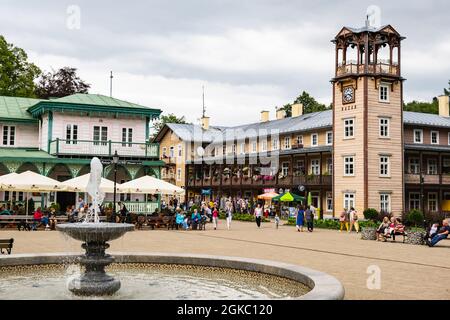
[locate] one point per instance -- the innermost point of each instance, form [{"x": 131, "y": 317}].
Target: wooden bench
[
  {"x": 392, "y": 235},
  {"x": 6, "y": 244}
]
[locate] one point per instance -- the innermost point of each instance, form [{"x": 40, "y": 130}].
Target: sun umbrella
[
  {"x": 288, "y": 197},
  {"x": 309, "y": 199},
  {"x": 30, "y": 181},
  {"x": 79, "y": 184},
  {"x": 150, "y": 185},
  {"x": 267, "y": 196}
]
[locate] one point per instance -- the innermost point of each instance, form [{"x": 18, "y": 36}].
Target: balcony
[
  {"x": 427, "y": 178},
  {"x": 103, "y": 148},
  {"x": 312, "y": 180},
  {"x": 380, "y": 68},
  {"x": 169, "y": 161}
]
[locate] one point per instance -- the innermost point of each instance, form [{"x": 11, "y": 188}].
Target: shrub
[
  {"x": 193, "y": 208},
  {"x": 371, "y": 214},
  {"x": 415, "y": 217}
]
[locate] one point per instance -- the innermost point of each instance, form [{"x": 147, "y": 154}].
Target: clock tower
[{"x": 368, "y": 120}]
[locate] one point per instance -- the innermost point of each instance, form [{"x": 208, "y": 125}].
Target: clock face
[{"x": 348, "y": 95}]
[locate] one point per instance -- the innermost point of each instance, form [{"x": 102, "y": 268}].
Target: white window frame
[
  {"x": 384, "y": 128},
  {"x": 385, "y": 202},
  {"x": 164, "y": 152},
  {"x": 275, "y": 144},
  {"x": 437, "y": 137},
  {"x": 287, "y": 143},
  {"x": 299, "y": 139},
  {"x": 416, "y": 201},
  {"x": 254, "y": 147},
  {"x": 315, "y": 167},
  {"x": 180, "y": 151},
  {"x": 242, "y": 148},
  {"x": 316, "y": 136},
  {"x": 329, "y": 138},
  {"x": 70, "y": 131},
  {"x": 349, "y": 200},
  {"x": 329, "y": 201},
  {"x": 349, "y": 162},
  {"x": 285, "y": 168},
  {"x": 420, "y": 131},
  {"x": 416, "y": 164},
  {"x": 384, "y": 96},
  {"x": 385, "y": 166},
  {"x": 9, "y": 135},
  {"x": 264, "y": 145},
  {"x": 349, "y": 128},
  {"x": 431, "y": 201},
  {"x": 432, "y": 166}
]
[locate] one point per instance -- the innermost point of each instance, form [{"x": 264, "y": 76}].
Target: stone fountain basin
[{"x": 95, "y": 232}]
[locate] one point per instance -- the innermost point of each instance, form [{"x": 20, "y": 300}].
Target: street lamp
[{"x": 115, "y": 162}]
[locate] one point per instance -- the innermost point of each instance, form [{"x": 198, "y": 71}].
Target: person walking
[
  {"x": 344, "y": 220},
  {"x": 300, "y": 219},
  {"x": 215, "y": 217},
  {"x": 309, "y": 216},
  {"x": 229, "y": 215},
  {"x": 354, "y": 220},
  {"x": 277, "y": 221},
  {"x": 258, "y": 215}
]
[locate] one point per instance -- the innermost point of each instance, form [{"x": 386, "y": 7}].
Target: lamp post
[{"x": 115, "y": 162}]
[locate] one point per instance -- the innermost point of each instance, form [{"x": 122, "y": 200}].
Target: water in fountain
[{"x": 95, "y": 235}]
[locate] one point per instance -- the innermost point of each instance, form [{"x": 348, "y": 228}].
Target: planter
[
  {"x": 415, "y": 237},
  {"x": 369, "y": 233}
]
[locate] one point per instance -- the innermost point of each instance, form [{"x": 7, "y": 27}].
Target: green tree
[
  {"x": 425, "y": 107},
  {"x": 61, "y": 83},
  {"x": 17, "y": 75},
  {"x": 310, "y": 104},
  {"x": 170, "y": 118}
]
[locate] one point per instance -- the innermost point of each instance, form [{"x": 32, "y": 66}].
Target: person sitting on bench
[
  {"x": 399, "y": 229},
  {"x": 195, "y": 218},
  {"x": 441, "y": 235},
  {"x": 37, "y": 217}
]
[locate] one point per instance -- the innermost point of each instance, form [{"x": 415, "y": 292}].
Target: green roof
[
  {"x": 93, "y": 103},
  {"x": 24, "y": 153},
  {"x": 12, "y": 108}
]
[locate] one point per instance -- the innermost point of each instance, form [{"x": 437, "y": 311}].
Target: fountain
[{"x": 95, "y": 236}]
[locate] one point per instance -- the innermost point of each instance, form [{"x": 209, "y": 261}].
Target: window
[
  {"x": 299, "y": 140},
  {"x": 275, "y": 144},
  {"x": 233, "y": 148},
  {"x": 285, "y": 169},
  {"x": 71, "y": 134},
  {"x": 349, "y": 128},
  {"x": 329, "y": 202},
  {"x": 329, "y": 135},
  {"x": 349, "y": 200},
  {"x": 180, "y": 151},
  {"x": 432, "y": 166},
  {"x": 287, "y": 142},
  {"x": 243, "y": 148},
  {"x": 9, "y": 135},
  {"x": 385, "y": 202},
  {"x": 414, "y": 200},
  {"x": 384, "y": 93},
  {"x": 314, "y": 140},
  {"x": 127, "y": 136},
  {"x": 172, "y": 152},
  {"x": 384, "y": 128},
  {"x": 224, "y": 150},
  {"x": 349, "y": 169},
  {"x": 434, "y": 137},
  {"x": 125, "y": 196},
  {"x": 216, "y": 151},
  {"x": 100, "y": 134},
  {"x": 384, "y": 166},
  {"x": 264, "y": 145},
  {"x": 418, "y": 135},
  {"x": 179, "y": 174},
  {"x": 300, "y": 167},
  {"x": 254, "y": 146},
  {"x": 414, "y": 166},
  {"x": 315, "y": 167},
  {"x": 164, "y": 152},
  {"x": 432, "y": 202},
  {"x": 330, "y": 166}
]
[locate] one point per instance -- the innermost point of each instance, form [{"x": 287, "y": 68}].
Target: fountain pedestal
[{"x": 94, "y": 280}]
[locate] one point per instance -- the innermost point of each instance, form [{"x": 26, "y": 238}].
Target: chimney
[
  {"x": 297, "y": 110},
  {"x": 264, "y": 116},
  {"x": 205, "y": 123},
  {"x": 281, "y": 114},
  {"x": 443, "y": 106}
]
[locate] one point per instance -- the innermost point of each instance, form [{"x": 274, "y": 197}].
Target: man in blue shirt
[{"x": 441, "y": 235}]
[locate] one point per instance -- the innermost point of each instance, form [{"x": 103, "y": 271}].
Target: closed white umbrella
[
  {"x": 150, "y": 185},
  {"x": 79, "y": 184}
]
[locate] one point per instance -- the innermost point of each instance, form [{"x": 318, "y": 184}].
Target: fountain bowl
[{"x": 95, "y": 232}]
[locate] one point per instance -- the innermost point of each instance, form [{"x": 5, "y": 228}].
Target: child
[{"x": 277, "y": 220}]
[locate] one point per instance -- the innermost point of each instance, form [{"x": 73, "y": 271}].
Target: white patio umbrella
[
  {"x": 7, "y": 176},
  {"x": 79, "y": 184},
  {"x": 150, "y": 185}
]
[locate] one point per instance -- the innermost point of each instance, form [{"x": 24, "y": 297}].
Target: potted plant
[
  {"x": 415, "y": 234},
  {"x": 369, "y": 231}
]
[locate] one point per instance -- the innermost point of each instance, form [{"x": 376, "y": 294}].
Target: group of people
[
  {"x": 349, "y": 218},
  {"x": 437, "y": 233},
  {"x": 389, "y": 228},
  {"x": 305, "y": 214},
  {"x": 46, "y": 218},
  {"x": 186, "y": 221}
]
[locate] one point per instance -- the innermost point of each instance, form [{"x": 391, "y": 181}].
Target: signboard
[{"x": 269, "y": 190}]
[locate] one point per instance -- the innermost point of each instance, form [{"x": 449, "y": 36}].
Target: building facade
[
  {"x": 58, "y": 138},
  {"x": 365, "y": 152}
]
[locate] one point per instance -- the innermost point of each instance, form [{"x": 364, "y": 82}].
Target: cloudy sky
[{"x": 250, "y": 54}]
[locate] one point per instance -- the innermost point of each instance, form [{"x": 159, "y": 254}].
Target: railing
[
  {"x": 103, "y": 148},
  {"x": 379, "y": 68},
  {"x": 427, "y": 178},
  {"x": 137, "y": 207}
]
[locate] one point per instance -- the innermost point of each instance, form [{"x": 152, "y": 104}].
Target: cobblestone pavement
[{"x": 407, "y": 271}]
